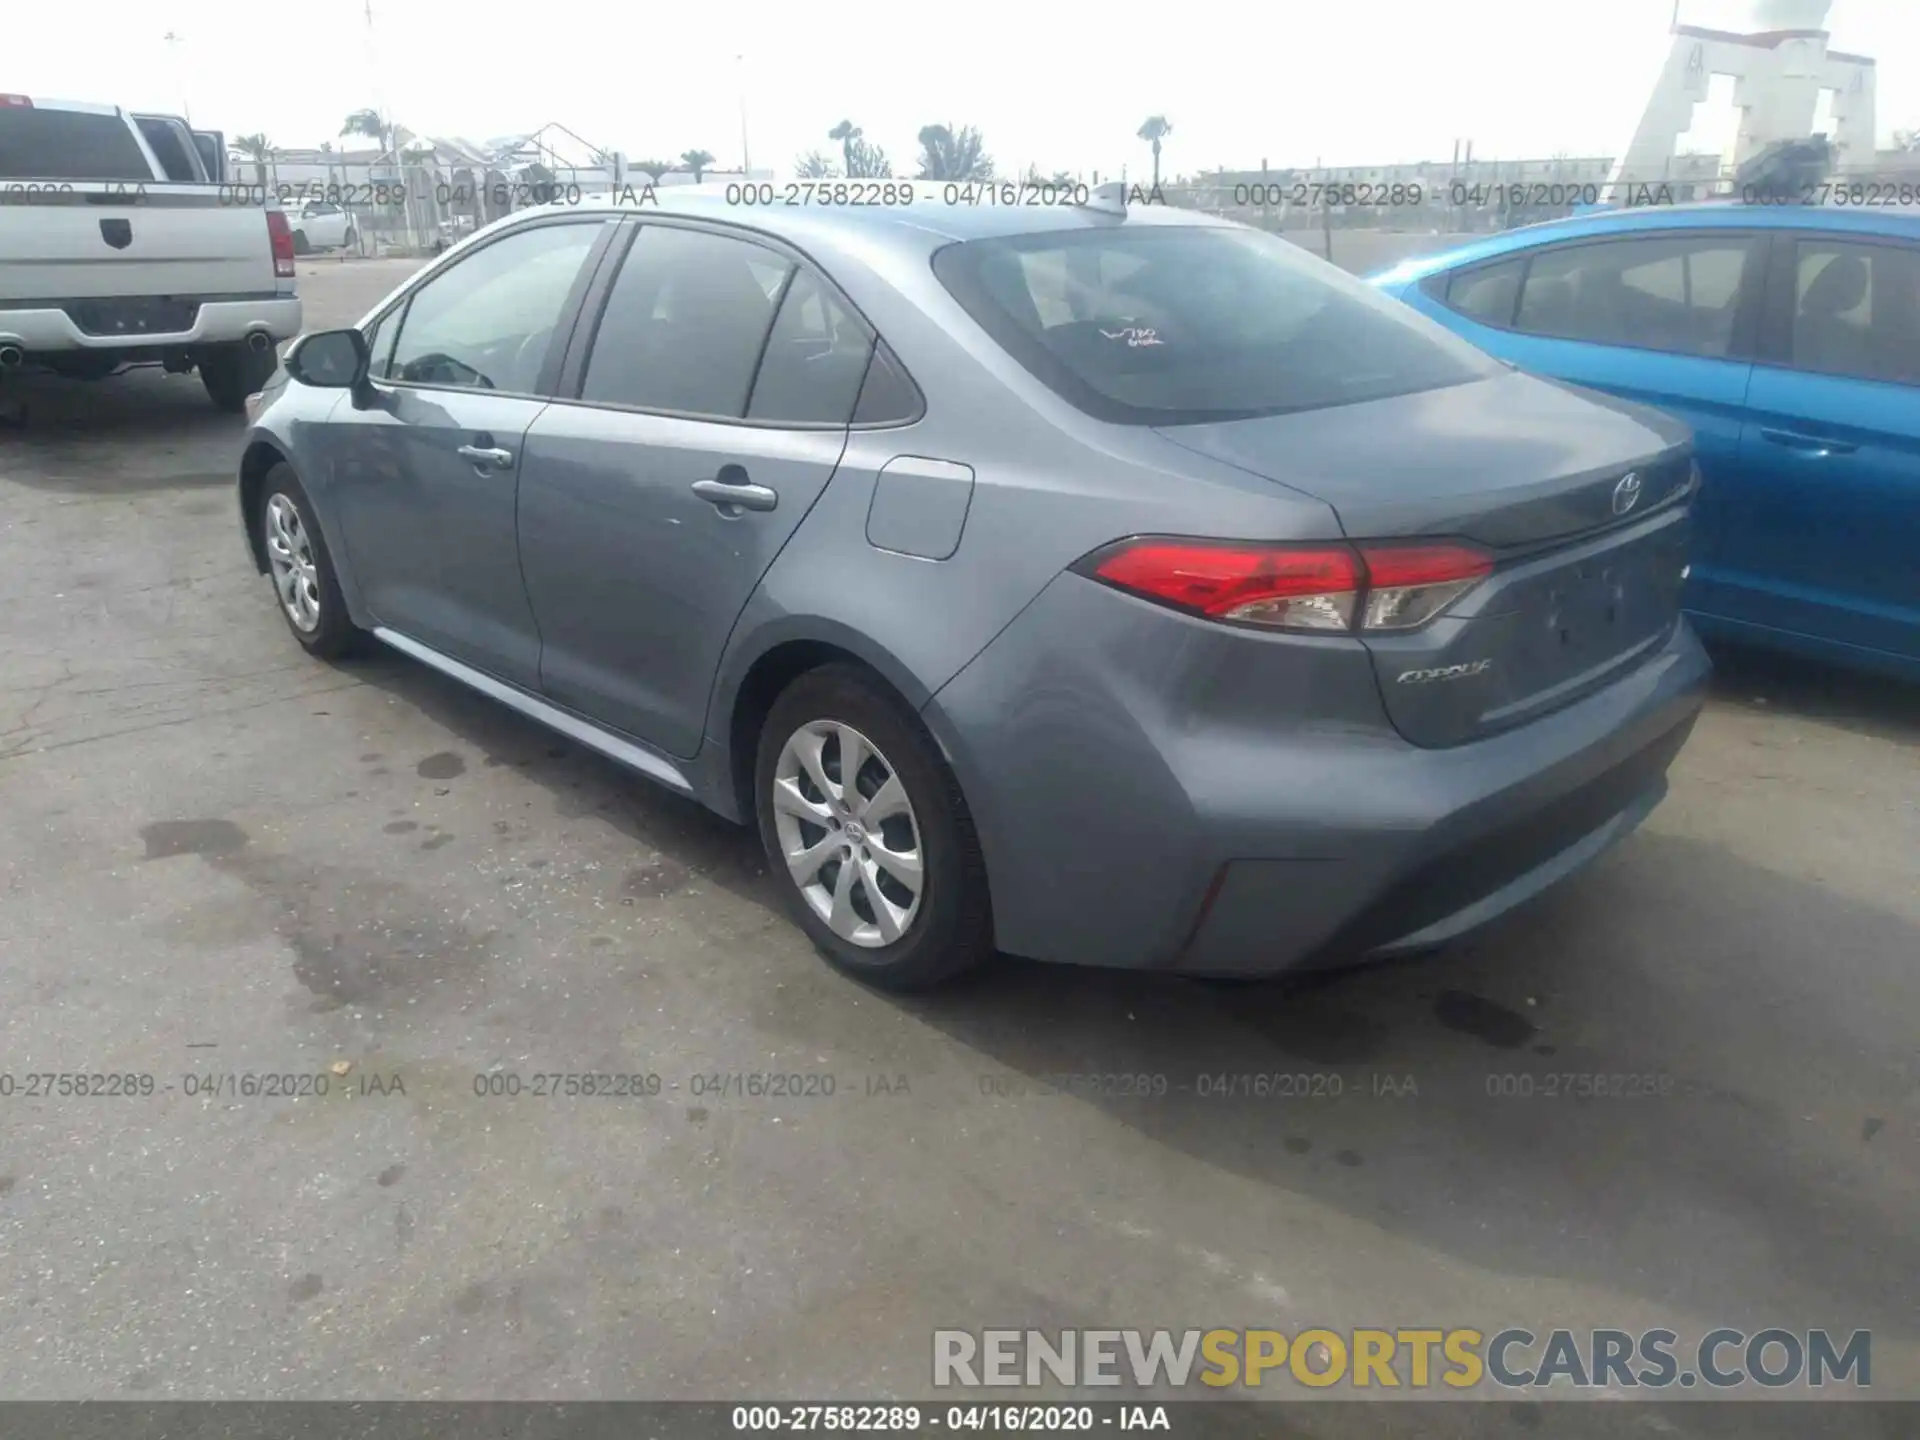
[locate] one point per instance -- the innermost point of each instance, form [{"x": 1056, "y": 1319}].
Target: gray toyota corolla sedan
[{"x": 1114, "y": 586}]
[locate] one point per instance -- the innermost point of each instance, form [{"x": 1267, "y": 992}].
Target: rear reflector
[
  {"x": 280, "y": 237},
  {"x": 1326, "y": 588}
]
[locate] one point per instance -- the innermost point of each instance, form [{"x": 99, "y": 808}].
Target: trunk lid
[
  {"x": 88, "y": 240},
  {"x": 1582, "y": 501}
]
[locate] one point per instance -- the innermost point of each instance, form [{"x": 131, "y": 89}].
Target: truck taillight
[
  {"x": 280, "y": 235},
  {"x": 1338, "y": 589},
  {"x": 16, "y": 102}
]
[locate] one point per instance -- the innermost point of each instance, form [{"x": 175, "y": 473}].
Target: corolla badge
[
  {"x": 1626, "y": 494},
  {"x": 1444, "y": 672}
]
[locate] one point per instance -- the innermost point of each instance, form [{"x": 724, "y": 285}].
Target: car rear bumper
[
  {"x": 1144, "y": 801},
  {"x": 214, "y": 322}
]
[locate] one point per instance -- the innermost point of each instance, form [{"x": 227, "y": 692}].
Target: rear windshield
[
  {"x": 40, "y": 144},
  {"x": 1173, "y": 325}
]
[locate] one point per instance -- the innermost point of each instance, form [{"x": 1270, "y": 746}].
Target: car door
[
  {"x": 699, "y": 423},
  {"x": 425, "y": 463},
  {"x": 1829, "y": 531},
  {"x": 1667, "y": 318}
]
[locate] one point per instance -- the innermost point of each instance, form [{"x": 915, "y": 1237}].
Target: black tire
[
  {"x": 300, "y": 244},
  {"x": 351, "y": 240},
  {"x": 952, "y": 931},
  {"x": 335, "y": 635},
  {"x": 233, "y": 372}
]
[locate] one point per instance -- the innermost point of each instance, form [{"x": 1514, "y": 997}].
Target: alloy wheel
[
  {"x": 848, "y": 833},
  {"x": 296, "y": 576}
]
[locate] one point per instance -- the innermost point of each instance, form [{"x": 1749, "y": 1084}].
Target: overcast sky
[{"x": 1064, "y": 86}]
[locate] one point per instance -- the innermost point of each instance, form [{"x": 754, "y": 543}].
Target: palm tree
[
  {"x": 869, "y": 162},
  {"x": 816, "y": 165},
  {"x": 1153, "y": 131},
  {"x": 259, "y": 149},
  {"x": 369, "y": 124},
  {"x": 950, "y": 154},
  {"x": 848, "y": 134},
  {"x": 697, "y": 161},
  {"x": 652, "y": 169}
]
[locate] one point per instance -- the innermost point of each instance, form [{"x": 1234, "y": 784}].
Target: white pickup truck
[{"x": 122, "y": 244}]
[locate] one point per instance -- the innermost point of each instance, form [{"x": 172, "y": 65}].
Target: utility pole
[
  {"x": 740, "y": 81},
  {"x": 173, "y": 63}
]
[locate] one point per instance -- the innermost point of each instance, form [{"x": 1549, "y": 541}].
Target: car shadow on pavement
[
  {"x": 582, "y": 781},
  {"x": 1866, "y": 704},
  {"x": 1679, "y": 1075},
  {"x": 74, "y": 436},
  {"x": 1755, "y": 1160}
]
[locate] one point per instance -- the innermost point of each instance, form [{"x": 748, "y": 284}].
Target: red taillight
[
  {"x": 17, "y": 102},
  {"x": 1309, "y": 588},
  {"x": 1299, "y": 587},
  {"x": 280, "y": 236}
]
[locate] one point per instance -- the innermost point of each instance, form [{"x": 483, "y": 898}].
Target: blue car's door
[
  {"x": 1830, "y": 452},
  {"x": 1668, "y": 318}
]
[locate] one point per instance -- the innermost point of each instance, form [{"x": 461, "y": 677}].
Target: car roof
[
  {"x": 1897, "y": 221},
  {"x": 937, "y": 213}
]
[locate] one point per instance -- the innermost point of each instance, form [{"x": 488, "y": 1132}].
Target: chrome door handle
[
  {"x": 736, "y": 497},
  {"x": 484, "y": 455}
]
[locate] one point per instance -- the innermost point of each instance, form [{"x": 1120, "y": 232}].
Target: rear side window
[
  {"x": 169, "y": 146},
  {"x": 68, "y": 145},
  {"x": 1170, "y": 325},
  {"x": 816, "y": 357},
  {"x": 1487, "y": 294},
  {"x": 1673, "y": 293},
  {"x": 1857, "y": 311},
  {"x": 889, "y": 396},
  {"x": 685, "y": 324}
]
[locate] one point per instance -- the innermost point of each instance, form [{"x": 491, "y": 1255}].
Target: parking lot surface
[{"x": 219, "y": 859}]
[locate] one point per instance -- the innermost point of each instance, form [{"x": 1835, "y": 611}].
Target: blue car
[{"x": 1788, "y": 337}]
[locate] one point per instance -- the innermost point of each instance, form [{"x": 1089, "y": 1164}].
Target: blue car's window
[
  {"x": 1165, "y": 325},
  {"x": 816, "y": 358},
  {"x": 1488, "y": 294},
  {"x": 1674, "y": 293},
  {"x": 1857, "y": 310}
]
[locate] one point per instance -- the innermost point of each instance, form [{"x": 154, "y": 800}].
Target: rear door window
[
  {"x": 42, "y": 144},
  {"x": 1487, "y": 294},
  {"x": 686, "y": 322},
  {"x": 816, "y": 358},
  {"x": 1674, "y": 293},
  {"x": 1168, "y": 325},
  {"x": 1857, "y": 310}
]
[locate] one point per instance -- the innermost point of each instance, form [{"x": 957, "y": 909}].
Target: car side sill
[{"x": 574, "y": 727}]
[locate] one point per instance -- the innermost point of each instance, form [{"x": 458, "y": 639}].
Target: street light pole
[
  {"x": 173, "y": 63},
  {"x": 740, "y": 79}
]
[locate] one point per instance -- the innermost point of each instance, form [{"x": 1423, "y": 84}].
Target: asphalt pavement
[{"x": 220, "y": 859}]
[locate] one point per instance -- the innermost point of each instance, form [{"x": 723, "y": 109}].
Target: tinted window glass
[
  {"x": 889, "y": 396},
  {"x": 1165, "y": 325},
  {"x": 169, "y": 146},
  {"x": 685, "y": 323},
  {"x": 1678, "y": 293},
  {"x": 380, "y": 343},
  {"x": 1487, "y": 294},
  {"x": 1857, "y": 311},
  {"x": 68, "y": 145},
  {"x": 486, "y": 323},
  {"x": 816, "y": 357}
]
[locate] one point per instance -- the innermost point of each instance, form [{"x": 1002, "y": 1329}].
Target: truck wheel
[
  {"x": 233, "y": 372},
  {"x": 351, "y": 240},
  {"x": 300, "y": 245}
]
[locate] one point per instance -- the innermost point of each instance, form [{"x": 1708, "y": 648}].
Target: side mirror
[{"x": 329, "y": 359}]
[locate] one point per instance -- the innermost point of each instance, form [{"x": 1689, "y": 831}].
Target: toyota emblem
[{"x": 1626, "y": 494}]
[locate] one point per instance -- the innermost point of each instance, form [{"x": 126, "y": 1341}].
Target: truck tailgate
[{"x": 83, "y": 242}]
